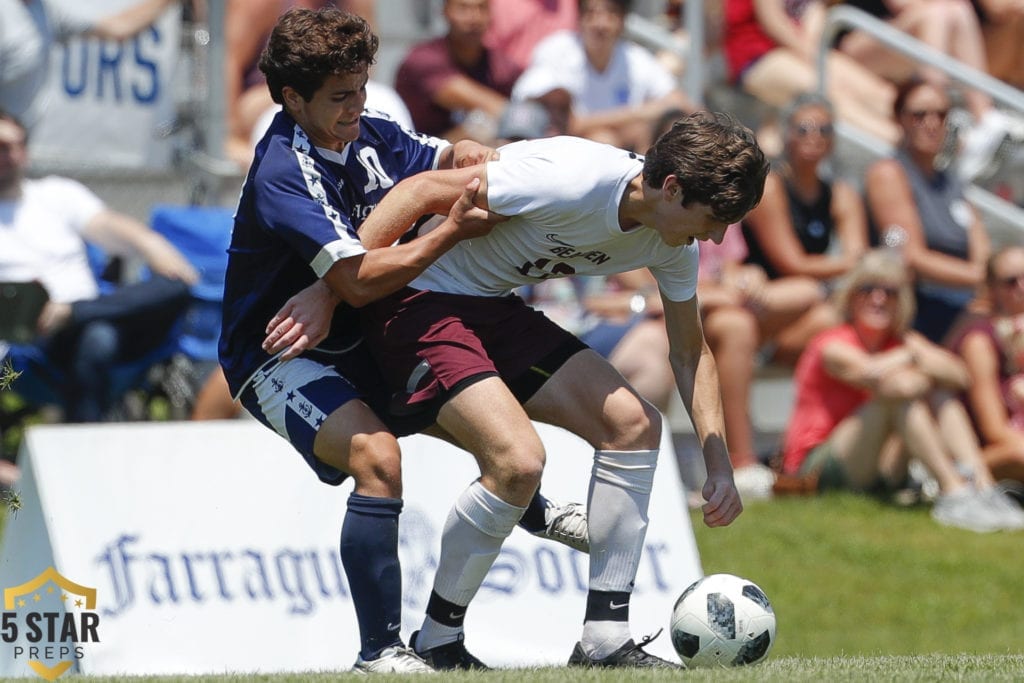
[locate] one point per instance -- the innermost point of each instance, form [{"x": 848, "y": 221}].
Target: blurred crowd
[{"x": 883, "y": 294}]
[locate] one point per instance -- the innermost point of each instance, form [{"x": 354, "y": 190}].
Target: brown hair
[
  {"x": 306, "y": 46},
  {"x": 717, "y": 161}
]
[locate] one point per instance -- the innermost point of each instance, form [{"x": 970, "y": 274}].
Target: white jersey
[
  {"x": 41, "y": 237},
  {"x": 563, "y": 195}
]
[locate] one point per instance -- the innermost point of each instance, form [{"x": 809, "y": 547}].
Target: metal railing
[{"x": 840, "y": 17}]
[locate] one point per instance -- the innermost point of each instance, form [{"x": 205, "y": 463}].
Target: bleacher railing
[{"x": 839, "y": 18}]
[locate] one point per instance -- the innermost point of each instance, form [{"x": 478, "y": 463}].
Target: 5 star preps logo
[{"x": 46, "y": 620}]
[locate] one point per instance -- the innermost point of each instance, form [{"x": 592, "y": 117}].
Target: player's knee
[
  {"x": 376, "y": 464},
  {"x": 631, "y": 423}
]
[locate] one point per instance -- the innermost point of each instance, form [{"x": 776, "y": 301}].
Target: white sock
[
  {"x": 620, "y": 492},
  {"x": 476, "y": 527}
]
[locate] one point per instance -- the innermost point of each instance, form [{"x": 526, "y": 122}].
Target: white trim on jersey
[{"x": 339, "y": 249}]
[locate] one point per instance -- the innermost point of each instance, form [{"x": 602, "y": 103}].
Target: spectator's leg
[{"x": 87, "y": 397}]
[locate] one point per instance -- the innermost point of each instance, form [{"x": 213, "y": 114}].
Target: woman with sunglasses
[
  {"x": 807, "y": 224},
  {"x": 910, "y": 198},
  {"x": 871, "y": 395},
  {"x": 993, "y": 348}
]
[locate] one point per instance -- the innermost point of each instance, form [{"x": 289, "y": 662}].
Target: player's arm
[
  {"x": 305, "y": 319},
  {"x": 697, "y": 380},
  {"x": 416, "y": 196}
]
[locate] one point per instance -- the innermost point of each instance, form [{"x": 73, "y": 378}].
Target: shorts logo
[{"x": 47, "y": 619}]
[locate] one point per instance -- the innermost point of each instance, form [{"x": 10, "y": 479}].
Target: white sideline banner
[
  {"x": 108, "y": 104},
  {"x": 211, "y": 548}
]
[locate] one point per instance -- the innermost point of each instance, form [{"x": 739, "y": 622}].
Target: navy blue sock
[
  {"x": 369, "y": 553},
  {"x": 533, "y": 519}
]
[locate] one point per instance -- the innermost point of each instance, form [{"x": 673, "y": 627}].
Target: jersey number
[
  {"x": 548, "y": 269},
  {"x": 375, "y": 174}
]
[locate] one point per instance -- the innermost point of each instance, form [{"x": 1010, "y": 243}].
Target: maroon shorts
[{"x": 430, "y": 344}]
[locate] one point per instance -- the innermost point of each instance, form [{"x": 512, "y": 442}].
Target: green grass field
[{"x": 863, "y": 592}]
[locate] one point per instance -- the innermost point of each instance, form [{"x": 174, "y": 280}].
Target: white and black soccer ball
[{"x": 722, "y": 620}]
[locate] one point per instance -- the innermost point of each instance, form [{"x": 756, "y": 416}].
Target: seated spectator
[
  {"x": 807, "y": 224},
  {"x": 455, "y": 87},
  {"x": 247, "y": 28},
  {"x": 911, "y": 201},
  {"x": 28, "y": 30},
  {"x": 871, "y": 395},
  {"x": 992, "y": 346},
  {"x": 1002, "y": 25},
  {"x": 950, "y": 27},
  {"x": 614, "y": 91},
  {"x": 44, "y": 227},
  {"x": 771, "y": 49},
  {"x": 518, "y": 25}
]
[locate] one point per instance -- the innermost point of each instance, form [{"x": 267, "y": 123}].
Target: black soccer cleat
[
  {"x": 449, "y": 656},
  {"x": 630, "y": 655}
]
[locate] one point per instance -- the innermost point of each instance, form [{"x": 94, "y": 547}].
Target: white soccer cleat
[
  {"x": 567, "y": 523},
  {"x": 393, "y": 660}
]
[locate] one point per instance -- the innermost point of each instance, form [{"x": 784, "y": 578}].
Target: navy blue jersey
[{"x": 298, "y": 214}]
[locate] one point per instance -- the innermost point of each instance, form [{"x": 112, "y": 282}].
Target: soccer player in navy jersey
[
  {"x": 575, "y": 207},
  {"x": 317, "y": 173}
]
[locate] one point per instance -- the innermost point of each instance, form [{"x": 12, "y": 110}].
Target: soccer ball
[{"x": 722, "y": 620}]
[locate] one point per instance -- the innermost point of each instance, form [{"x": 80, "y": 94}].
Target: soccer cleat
[
  {"x": 567, "y": 523},
  {"x": 630, "y": 655},
  {"x": 393, "y": 660},
  {"x": 453, "y": 655}
]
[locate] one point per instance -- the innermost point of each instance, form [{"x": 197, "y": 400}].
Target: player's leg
[
  {"x": 322, "y": 416},
  {"x": 486, "y": 419},
  {"x": 587, "y": 396}
]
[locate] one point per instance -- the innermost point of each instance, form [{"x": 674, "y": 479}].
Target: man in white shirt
[
  {"x": 616, "y": 89},
  {"x": 457, "y": 345},
  {"x": 44, "y": 226}
]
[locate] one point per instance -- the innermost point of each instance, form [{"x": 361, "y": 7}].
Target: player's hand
[
  {"x": 470, "y": 153},
  {"x": 470, "y": 220},
  {"x": 302, "y": 323},
  {"x": 723, "y": 501}
]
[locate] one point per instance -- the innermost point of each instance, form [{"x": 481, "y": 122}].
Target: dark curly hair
[
  {"x": 717, "y": 161},
  {"x": 306, "y": 46}
]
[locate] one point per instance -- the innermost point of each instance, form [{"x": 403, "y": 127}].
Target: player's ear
[{"x": 670, "y": 189}]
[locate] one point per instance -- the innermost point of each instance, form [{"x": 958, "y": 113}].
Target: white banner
[
  {"x": 211, "y": 548},
  {"x": 106, "y": 103}
]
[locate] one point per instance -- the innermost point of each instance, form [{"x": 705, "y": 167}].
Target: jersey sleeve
[
  {"x": 676, "y": 272},
  {"x": 541, "y": 178},
  {"x": 300, "y": 208},
  {"x": 416, "y": 151}
]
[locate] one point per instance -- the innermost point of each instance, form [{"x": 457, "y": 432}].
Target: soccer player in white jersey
[{"x": 469, "y": 352}]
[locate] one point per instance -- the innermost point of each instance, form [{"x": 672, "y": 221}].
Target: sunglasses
[
  {"x": 888, "y": 290},
  {"x": 1011, "y": 280},
  {"x": 805, "y": 128},
  {"x": 918, "y": 116}
]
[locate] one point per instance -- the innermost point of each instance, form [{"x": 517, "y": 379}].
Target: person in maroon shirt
[{"x": 454, "y": 86}]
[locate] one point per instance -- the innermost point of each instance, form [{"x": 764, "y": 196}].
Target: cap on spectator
[{"x": 523, "y": 121}]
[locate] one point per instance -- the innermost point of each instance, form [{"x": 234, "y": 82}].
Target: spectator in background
[
  {"x": 951, "y": 27},
  {"x": 771, "y": 49},
  {"x": 910, "y": 200},
  {"x": 992, "y": 346},
  {"x": 44, "y": 227},
  {"x": 807, "y": 224},
  {"x": 518, "y": 25},
  {"x": 28, "y": 30},
  {"x": 870, "y": 395},
  {"x": 248, "y": 24},
  {"x": 601, "y": 86},
  {"x": 454, "y": 86}
]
